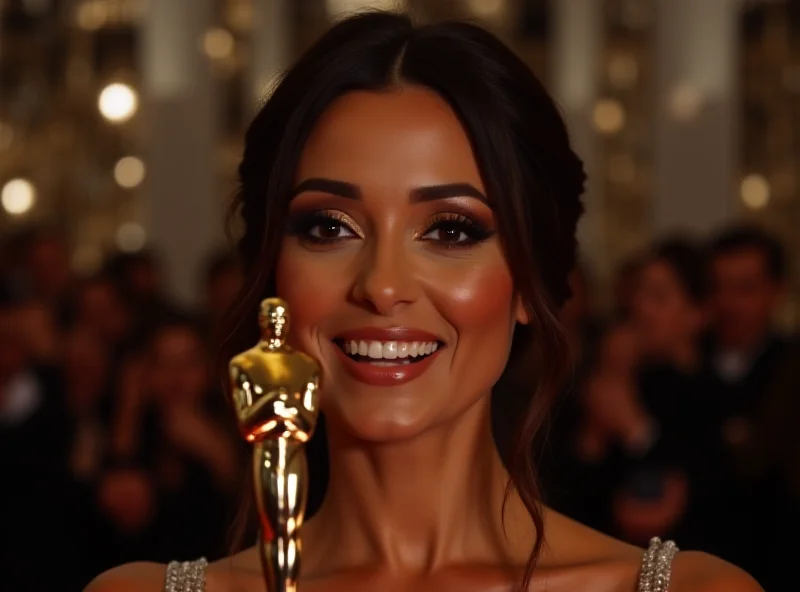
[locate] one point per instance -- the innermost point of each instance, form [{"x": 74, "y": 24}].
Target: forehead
[{"x": 400, "y": 138}]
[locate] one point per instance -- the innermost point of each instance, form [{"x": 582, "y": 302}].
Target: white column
[
  {"x": 271, "y": 47},
  {"x": 576, "y": 69},
  {"x": 184, "y": 209},
  {"x": 696, "y": 113}
]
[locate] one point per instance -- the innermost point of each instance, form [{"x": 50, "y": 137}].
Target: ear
[{"x": 521, "y": 313}]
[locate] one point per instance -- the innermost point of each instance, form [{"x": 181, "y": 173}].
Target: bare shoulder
[
  {"x": 133, "y": 577},
  {"x": 569, "y": 542},
  {"x": 700, "y": 572},
  {"x": 586, "y": 554}
]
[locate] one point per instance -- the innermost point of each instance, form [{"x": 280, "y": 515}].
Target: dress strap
[
  {"x": 657, "y": 566},
  {"x": 186, "y": 576}
]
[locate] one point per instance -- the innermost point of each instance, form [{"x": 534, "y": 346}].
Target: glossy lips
[{"x": 387, "y": 357}]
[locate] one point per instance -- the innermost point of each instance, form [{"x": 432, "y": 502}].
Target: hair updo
[{"x": 532, "y": 177}]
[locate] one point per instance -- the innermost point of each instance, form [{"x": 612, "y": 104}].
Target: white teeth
[
  {"x": 375, "y": 350},
  {"x": 389, "y": 350}
]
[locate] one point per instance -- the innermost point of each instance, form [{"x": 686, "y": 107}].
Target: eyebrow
[{"x": 419, "y": 194}]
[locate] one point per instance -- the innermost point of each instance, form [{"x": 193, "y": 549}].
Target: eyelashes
[
  {"x": 331, "y": 227},
  {"x": 456, "y": 230},
  {"x": 324, "y": 227}
]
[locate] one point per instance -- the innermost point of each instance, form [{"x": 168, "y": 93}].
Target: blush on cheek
[{"x": 481, "y": 300}]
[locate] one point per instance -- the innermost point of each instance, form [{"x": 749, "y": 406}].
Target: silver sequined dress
[{"x": 653, "y": 577}]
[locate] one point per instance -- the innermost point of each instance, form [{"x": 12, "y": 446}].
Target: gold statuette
[{"x": 275, "y": 395}]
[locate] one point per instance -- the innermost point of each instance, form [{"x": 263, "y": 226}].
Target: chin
[{"x": 378, "y": 417}]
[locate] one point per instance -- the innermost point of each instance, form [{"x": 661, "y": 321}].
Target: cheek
[
  {"x": 479, "y": 304},
  {"x": 314, "y": 286}
]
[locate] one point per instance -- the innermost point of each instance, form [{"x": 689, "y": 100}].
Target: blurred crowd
[
  {"x": 116, "y": 443},
  {"x": 681, "y": 418}
]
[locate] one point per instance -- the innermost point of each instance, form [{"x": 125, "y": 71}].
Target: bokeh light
[
  {"x": 609, "y": 116},
  {"x": 755, "y": 192},
  {"x": 18, "y": 196},
  {"x": 685, "y": 103},
  {"x": 129, "y": 172},
  {"x": 623, "y": 71},
  {"x": 218, "y": 43},
  {"x": 338, "y": 8},
  {"x": 118, "y": 102},
  {"x": 486, "y": 8},
  {"x": 131, "y": 237}
]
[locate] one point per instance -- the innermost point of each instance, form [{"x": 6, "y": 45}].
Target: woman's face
[
  {"x": 662, "y": 310},
  {"x": 392, "y": 266}
]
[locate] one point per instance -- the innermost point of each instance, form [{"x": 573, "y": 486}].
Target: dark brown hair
[{"x": 531, "y": 174}]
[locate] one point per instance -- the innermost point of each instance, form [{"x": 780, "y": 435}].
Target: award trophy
[{"x": 275, "y": 391}]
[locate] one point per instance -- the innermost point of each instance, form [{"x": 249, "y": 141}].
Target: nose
[{"x": 385, "y": 281}]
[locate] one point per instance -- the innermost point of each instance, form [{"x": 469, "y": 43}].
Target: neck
[{"x": 417, "y": 504}]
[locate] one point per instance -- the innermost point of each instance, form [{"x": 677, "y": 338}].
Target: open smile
[
  {"x": 388, "y": 353},
  {"x": 387, "y": 362}
]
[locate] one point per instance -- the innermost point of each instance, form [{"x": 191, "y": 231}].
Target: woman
[{"x": 414, "y": 185}]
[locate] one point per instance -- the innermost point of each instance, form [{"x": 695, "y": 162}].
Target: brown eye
[
  {"x": 448, "y": 232},
  {"x": 456, "y": 231},
  {"x": 330, "y": 229},
  {"x": 323, "y": 227}
]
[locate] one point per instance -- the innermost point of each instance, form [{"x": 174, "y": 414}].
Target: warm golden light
[
  {"x": 6, "y": 135},
  {"x": 239, "y": 15},
  {"x": 621, "y": 169},
  {"x": 18, "y": 196},
  {"x": 685, "y": 103},
  {"x": 755, "y": 192},
  {"x": 87, "y": 259},
  {"x": 91, "y": 15},
  {"x": 486, "y": 8},
  {"x": 130, "y": 237},
  {"x": 129, "y": 172},
  {"x": 609, "y": 116},
  {"x": 623, "y": 71},
  {"x": 118, "y": 102},
  {"x": 218, "y": 43},
  {"x": 338, "y": 8}
]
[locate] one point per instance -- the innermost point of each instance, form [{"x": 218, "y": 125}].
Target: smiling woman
[{"x": 412, "y": 194}]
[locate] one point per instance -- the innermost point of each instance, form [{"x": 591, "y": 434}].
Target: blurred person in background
[
  {"x": 636, "y": 434},
  {"x": 138, "y": 279},
  {"x": 752, "y": 401},
  {"x": 41, "y": 331},
  {"x": 101, "y": 308},
  {"x": 223, "y": 280},
  {"x": 86, "y": 370},
  {"x": 626, "y": 280},
  {"x": 563, "y": 476},
  {"x": 46, "y": 269},
  {"x": 34, "y": 436},
  {"x": 175, "y": 457}
]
